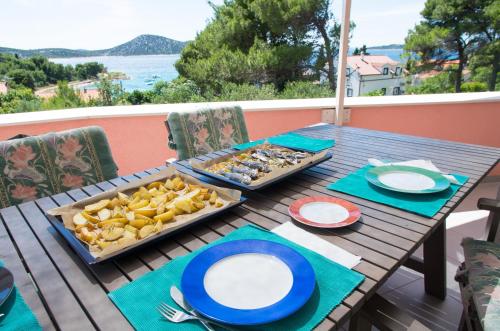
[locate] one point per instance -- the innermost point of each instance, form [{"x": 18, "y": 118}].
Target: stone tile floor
[{"x": 406, "y": 288}]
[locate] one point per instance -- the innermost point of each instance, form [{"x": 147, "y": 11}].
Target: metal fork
[{"x": 176, "y": 316}]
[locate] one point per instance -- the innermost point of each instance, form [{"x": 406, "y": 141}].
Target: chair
[
  {"x": 38, "y": 166},
  {"x": 479, "y": 275},
  {"x": 204, "y": 131}
]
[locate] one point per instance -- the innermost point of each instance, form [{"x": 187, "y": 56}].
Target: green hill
[{"x": 145, "y": 44}]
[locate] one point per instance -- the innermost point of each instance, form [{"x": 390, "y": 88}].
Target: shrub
[
  {"x": 65, "y": 97},
  {"x": 19, "y": 100},
  {"x": 305, "y": 89},
  {"x": 241, "y": 92},
  {"x": 176, "y": 91},
  {"x": 474, "y": 87}
]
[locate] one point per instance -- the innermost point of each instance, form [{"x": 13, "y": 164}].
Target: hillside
[
  {"x": 143, "y": 45},
  {"x": 391, "y": 46}
]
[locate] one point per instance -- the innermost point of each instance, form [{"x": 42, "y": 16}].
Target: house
[
  {"x": 368, "y": 73},
  {"x": 436, "y": 69},
  {"x": 3, "y": 87}
]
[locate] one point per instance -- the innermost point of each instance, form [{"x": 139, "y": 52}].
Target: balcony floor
[{"x": 406, "y": 288}]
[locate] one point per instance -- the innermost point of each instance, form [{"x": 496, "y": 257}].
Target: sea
[{"x": 144, "y": 70}]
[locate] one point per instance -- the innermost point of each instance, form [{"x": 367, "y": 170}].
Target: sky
[{"x": 100, "y": 24}]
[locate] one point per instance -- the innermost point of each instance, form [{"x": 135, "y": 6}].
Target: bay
[{"x": 140, "y": 69}]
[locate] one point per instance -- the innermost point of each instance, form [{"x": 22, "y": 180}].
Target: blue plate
[
  {"x": 192, "y": 283},
  {"x": 6, "y": 284}
]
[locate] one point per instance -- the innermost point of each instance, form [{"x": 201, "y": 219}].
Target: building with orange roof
[{"x": 368, "y": 73}]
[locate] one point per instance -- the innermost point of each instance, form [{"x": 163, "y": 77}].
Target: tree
[
  {"x": 486, "y": 61},
  {"x": 88, "y": 70},
  {"x": 448, "y": 31},
  {"x": 260, "y": 42},
  {"x": 109, "y": 93},
  {"x": 363, "y": 50},
  {"x": 65, "y": 97},
  {"x": 440, "y": 83},
  {"x": 21, "y": 77}
]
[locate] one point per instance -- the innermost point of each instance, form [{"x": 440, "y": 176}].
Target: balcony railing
[{"x": 134, "y": 131}]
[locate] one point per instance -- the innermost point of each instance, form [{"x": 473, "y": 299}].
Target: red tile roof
[{"x": 370, "y": 64}]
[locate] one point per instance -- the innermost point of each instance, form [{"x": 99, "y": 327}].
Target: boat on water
[{"x": 155, "y": 76}]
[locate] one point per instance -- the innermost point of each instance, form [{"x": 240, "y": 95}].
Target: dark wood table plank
[{"x": 28, "y": 289}]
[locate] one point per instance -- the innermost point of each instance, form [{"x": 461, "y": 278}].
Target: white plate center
[
  {"x": 324, "y": 212},
  {"x": 406, "y": 180},
  {"x": 248, "y": 281}
]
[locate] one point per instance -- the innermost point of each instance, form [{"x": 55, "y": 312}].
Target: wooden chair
[
  {"x": 36, "y": 166},
  {"x": 203, "y": 131},
  {"x": 479, "y": 275}
]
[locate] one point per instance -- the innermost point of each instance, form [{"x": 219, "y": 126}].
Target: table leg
[{"x": 435, "y": 263}]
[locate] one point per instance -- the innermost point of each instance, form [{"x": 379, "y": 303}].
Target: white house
[{"x": 367, "y": 73}]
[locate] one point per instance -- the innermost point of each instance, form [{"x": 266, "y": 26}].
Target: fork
[{"x": 177, "y": 316}]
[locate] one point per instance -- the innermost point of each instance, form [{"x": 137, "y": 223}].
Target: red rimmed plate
[{"x": 324, "y": 212}]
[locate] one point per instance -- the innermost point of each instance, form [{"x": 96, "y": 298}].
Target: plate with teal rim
[{"x": 407, "y": 179}]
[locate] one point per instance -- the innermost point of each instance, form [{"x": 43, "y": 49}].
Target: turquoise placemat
[
  {"x": 18, "y": 316},
  {"x": 138, "y": 300},
  {"x": 293, "y": 140},
  {"x": 423, "y": 204}
]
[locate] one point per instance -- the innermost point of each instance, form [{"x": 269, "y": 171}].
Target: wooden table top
[{"x": 66, "y": 294}]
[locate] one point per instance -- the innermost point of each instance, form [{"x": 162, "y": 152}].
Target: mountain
[
  {"x": 145, "y": 44},
  {"x": 391, "y": 46}
]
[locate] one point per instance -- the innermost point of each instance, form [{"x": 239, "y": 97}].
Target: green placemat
[
  {"x": 138, "y": 300},
  {"x": 423, "y": 204},
  {"x": 293, "y": 140},
  {"x": 18, "y": 316}
]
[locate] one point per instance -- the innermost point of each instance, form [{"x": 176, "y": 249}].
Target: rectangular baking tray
[
  {"x": 200, "y": 166},
  {"x": 82, "y": 249}
]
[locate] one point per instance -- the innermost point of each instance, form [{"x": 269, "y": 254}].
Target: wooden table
[{"x": 64, "y": 293}]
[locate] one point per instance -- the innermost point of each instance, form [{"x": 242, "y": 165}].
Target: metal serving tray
[
  {"x": 82, "y": 250},
  {"x": 200, "y": 167}
]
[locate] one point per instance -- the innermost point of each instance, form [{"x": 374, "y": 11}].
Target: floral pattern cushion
[
  {"x": 205, "y": 131},
  {"x": 482, "y": 264},
  {"x": 39, "y": 166}
]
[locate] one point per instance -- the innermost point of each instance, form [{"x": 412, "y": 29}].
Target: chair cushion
[
  {"x": 204, "y": 131},
  {"x": 39, "y": 166},
  {"x": 482, "y": 262}
]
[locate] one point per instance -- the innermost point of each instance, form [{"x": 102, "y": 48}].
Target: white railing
[{"x": 247, "y": 106}]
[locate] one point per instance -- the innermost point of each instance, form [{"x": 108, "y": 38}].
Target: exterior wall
[
  {"x": 361, "y": 85},
  {"x": 138, "y": 136},
  {"x": 140, "y": 142},
  {"x": 377, "y": 82},
  {"x": 468, "y": 123}
]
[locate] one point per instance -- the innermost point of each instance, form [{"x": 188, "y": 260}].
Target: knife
[{"x": 178, "y": 297}]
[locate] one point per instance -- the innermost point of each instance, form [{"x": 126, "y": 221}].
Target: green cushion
[
  {"x": 204, "y": 131},
  {"x": 39, "y": 166},
  {"x": 482, "y": 263}
]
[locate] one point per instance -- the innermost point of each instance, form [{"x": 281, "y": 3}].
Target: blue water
[
  {"x": 141, "y": 69},
  {"x": 393, "y": 53},
  {"x": 137, "y": 68}
]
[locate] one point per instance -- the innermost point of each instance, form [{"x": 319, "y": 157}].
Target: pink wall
[
  {"x": 140, "y": 142},
  {"x": 472, "y": 123}
]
